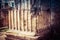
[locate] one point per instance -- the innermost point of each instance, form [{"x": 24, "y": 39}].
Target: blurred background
[{"x": 48, "y": 8}]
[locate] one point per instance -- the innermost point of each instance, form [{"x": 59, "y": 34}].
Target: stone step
[
  {"x": 24, "y": 33},
  {"x": 12, "y": 37},
  {"x": 15, "y": 36}
]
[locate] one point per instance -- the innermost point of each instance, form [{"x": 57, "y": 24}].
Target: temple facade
[{"x": 27, "y": 17}]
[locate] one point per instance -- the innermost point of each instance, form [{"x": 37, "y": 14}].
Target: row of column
[{"x": 21, "y": 19}]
